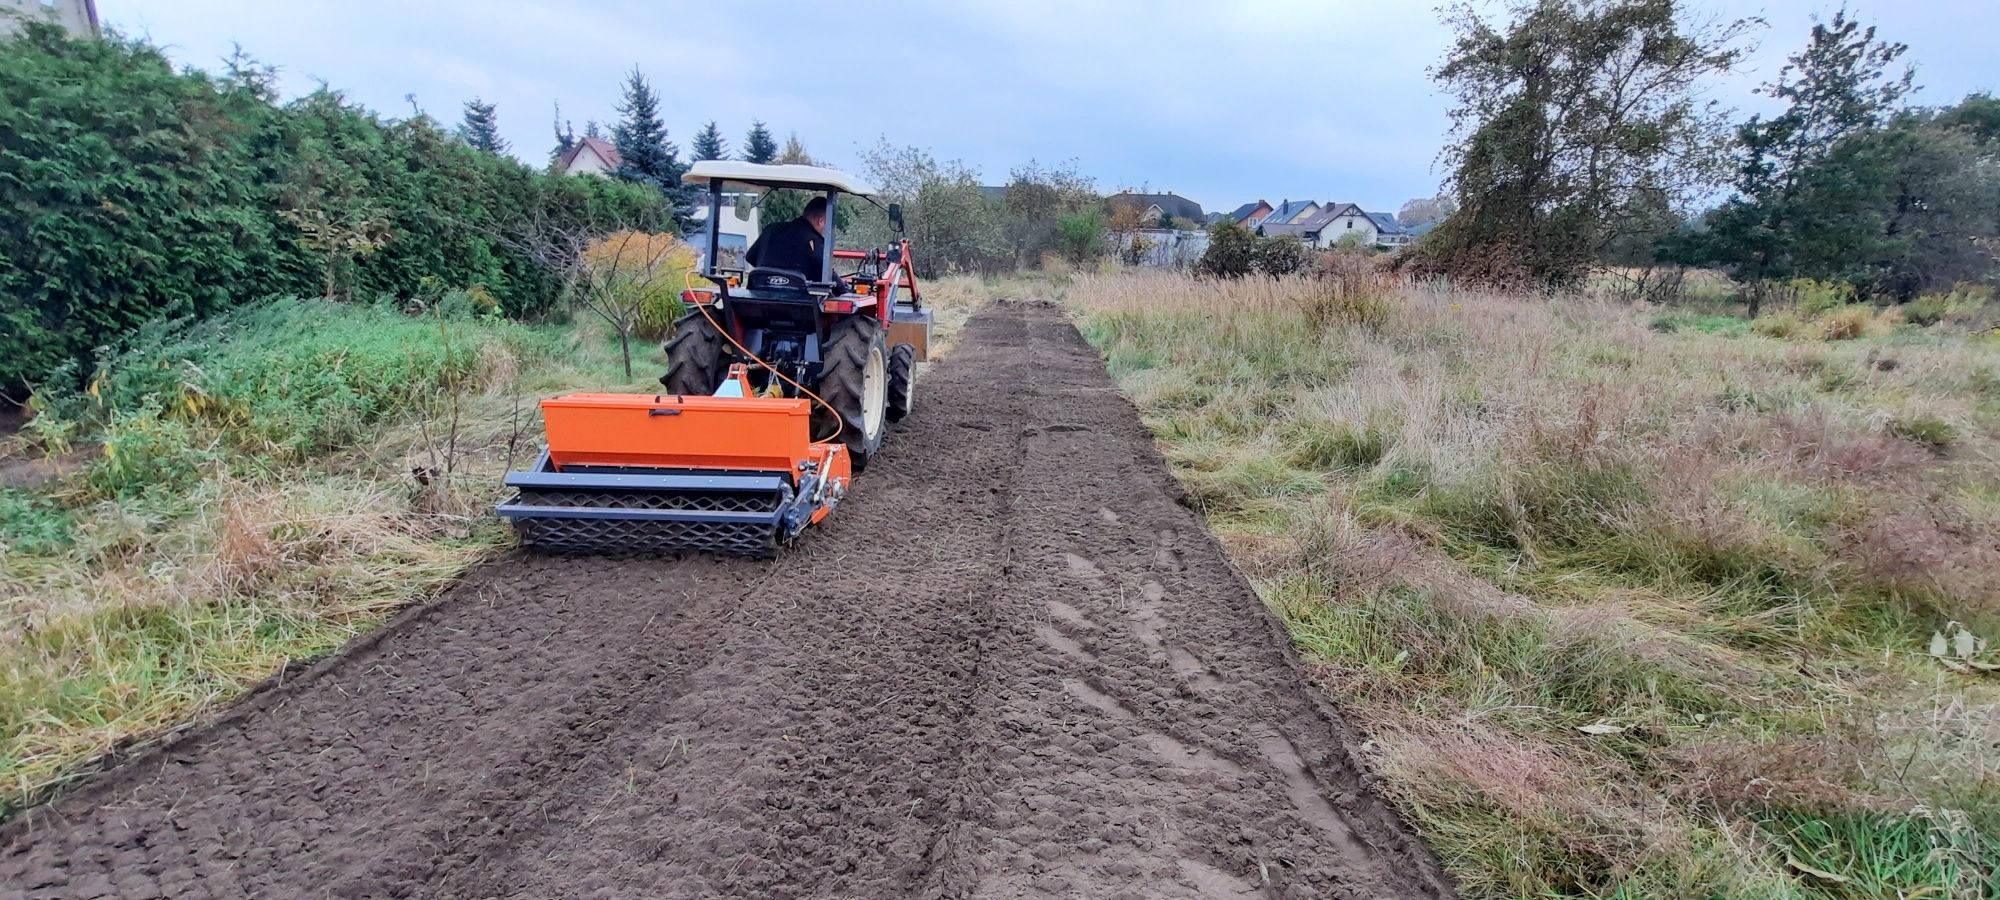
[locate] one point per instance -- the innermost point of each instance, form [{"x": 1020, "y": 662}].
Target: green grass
[
  {"x": 1705, "y": 323},
  {"x": 1884, "y": 857},
  {"x": 243, "y": 500}
]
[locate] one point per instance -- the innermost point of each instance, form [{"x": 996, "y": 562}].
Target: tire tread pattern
[
  {"x": 694, "y": 357},
  {"x": 843, "y": 365},
  {"x": 902, "y": 378}
]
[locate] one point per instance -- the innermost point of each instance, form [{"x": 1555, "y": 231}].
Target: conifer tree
[
  {"x": 645, "y": 155},
  {"x": 759, "y": 147},
  {"x": 709, "y": 144},
  {"x": 481, "y": 127},
  {"x": 565, "y": 136}
]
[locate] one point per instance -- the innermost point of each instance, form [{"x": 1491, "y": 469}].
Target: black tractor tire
[
  {"x": 695, "y": 364},
  {"x": 902, "y": 381},
  {"x": 845, "y": 360}
]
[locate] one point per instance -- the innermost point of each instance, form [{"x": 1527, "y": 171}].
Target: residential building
[
  {"x": 588, "y": 156},
  {"x": 1335, "y": 221},
  {"x": 1288, "y": 213},
  {"x": 1389, "y": 232},
  {"x": 1249, "y": 215},
  {"x": 79, "y": 16},
  {"x": 1153, "y": 208}
]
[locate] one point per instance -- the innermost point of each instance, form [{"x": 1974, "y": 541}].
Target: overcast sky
[{"x": 1223, "y": 102}]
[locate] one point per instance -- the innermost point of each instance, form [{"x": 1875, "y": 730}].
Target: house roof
[
  {"x": 1325, "y": 214},
  {"x": 1247, "y": 210},
  {"x": 1386, "y": 223},
  {"x": 599, "y": 146},
  {"x": 1285, "y": 212},
  {"x": 1170, "y": 204}
]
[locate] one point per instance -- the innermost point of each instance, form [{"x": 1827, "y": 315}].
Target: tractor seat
[{"x": 777, "y": 281}]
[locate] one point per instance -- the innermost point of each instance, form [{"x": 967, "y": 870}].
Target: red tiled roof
[{"x": 599, "y": 146}]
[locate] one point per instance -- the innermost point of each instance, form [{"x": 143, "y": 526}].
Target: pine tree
[
  {"x": 758, "y": 147},
  {"x": 593, "y": 130},
  {"x": 1801, "y": 207},
  {"x": 708, "y": 144},
  {"x": 645, "y": 154},
  {"x": 481, "y": 127},
  {"x": 565, "y": 136}
]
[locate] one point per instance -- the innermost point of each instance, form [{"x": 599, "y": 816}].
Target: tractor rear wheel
[
  {"x": 854, "y": 379},
  {"x": 902, "y": 381},
  {"x": 694, "y": 357}
]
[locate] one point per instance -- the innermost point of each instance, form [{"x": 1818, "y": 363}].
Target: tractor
[{"x": 779, "y": 388}]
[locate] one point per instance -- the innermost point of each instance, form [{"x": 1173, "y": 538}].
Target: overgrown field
[
  {"x": 1626, "y": 608},
  {"x": 258, "y": 489}
]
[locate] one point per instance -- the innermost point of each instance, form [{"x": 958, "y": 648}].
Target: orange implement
[
  {"x": 729, "y": 474},
  {"x": 674, "y": 432}
]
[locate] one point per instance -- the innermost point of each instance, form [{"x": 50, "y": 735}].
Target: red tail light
[
  {"x": 697, "y": 298},
  {"x": 836, "y": 306}
]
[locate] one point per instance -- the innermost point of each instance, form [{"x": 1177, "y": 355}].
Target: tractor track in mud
[{"x": 1010, "y": 666}]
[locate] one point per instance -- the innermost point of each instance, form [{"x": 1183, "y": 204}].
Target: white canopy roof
[{"x": 816, "y": 178}]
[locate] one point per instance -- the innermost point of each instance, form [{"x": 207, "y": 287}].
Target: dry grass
[{"x": 1626, "y": 612}]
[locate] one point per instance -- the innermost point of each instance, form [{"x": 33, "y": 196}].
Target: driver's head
[{"x": 816, "y": 214}]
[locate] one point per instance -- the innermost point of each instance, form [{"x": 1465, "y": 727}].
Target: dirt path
[{"x": 1011, "y": 666}]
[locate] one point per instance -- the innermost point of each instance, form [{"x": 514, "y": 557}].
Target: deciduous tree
[
  {"x": 954, "y": 225},
  {"x": 1427, "y": 209},
  {"x": 1565, "y": 111}
]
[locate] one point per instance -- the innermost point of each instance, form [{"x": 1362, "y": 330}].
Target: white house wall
[{"x": 75, "y": 15}]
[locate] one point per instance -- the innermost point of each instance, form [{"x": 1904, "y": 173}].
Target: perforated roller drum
[{"x": 636, "y": 473}]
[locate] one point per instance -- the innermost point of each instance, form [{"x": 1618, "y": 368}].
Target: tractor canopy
[{"x": 721, "y": 173}]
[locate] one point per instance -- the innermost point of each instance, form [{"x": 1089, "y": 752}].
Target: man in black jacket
[{"x": 798, "y": 245}]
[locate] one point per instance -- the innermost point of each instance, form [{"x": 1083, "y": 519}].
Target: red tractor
[{"x": 778, "y": 387}]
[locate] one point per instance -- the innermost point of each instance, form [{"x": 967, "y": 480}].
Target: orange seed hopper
[{"x": 635, "y": 472}]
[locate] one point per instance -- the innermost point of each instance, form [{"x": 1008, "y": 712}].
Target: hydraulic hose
[{"x": 839, "y": 424}]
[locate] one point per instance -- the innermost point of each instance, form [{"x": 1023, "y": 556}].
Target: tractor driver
[{"x": 797, "y": 245}]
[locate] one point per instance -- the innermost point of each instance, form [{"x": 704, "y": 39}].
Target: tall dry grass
[{"x": 1624, "y": 612}]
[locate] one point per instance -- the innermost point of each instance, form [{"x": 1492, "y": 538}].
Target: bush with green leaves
[
  {"x": 1278, "y": 256},
  {"x": 1231, "y": 253},
  {"x": 1234, "y": 252},
  {"x": 138, "y": 192},
  {"x": 1080, "y": 237}
]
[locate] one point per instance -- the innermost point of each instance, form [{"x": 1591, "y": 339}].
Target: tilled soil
[{"x": 1010, "y": 666}]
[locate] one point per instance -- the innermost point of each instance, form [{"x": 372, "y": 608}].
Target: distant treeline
[
  {"x": 1586, "y": 138},
  {"x": 133, "y": 192}
]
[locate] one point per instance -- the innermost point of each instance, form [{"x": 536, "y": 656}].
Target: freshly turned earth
[{"x": 1009, "y": 666}]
